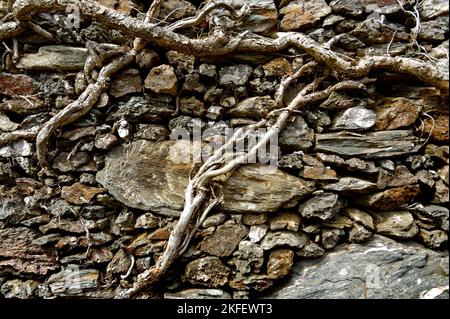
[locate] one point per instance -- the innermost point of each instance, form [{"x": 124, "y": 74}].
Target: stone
[
  {"x": 208, "y": 70},
  {"x": 142, "y": 109},
  {"x": 249, "y": 258},
  {"x": 285, "y": 220},
  {"x": 430, "y": 9},
  {"x": 396, "y": 224},
  {"x": 278, "y": 67},
  {"x": 181, "y": 61},
  {"x": 54, "y": 58},
  {"x": 197, "y": 293},
  {"x": 293, "y": 160},
  {"x": 359, "y": 234},
  {"x": 152, "y": 132},
  {"x": 121, "y": 6},
  {"x": 342, "y": 101},
  {"x": 323, "y": 206},
  {"x": 402, "y": 177},
  {"x": 79, "y": 133},
  {"x": 257, "y": 232},
  {"x": 380, "y": 268},
  {"x": 162, "y": 80},
  {"x": 441, "y": 193},
  {"x": 370, "y": 145},
  {"x": 433, "y": 238},
  {"x": 105, "y": 141},
  {"x": 438, "y": 129},
  {"x": 73, "y": 226},
  {"x": 339, "y": 221},
  {"x": 147, "y": 58},
  {"x": 254, "y": 219},
  {"x": 360, "y": 217},
  {"x": 434, "y": 214},
  {"x": 254, "y": 107},
  {"x": 390, "y": 199},
  {"x": 80, "y": 194},
  {"x": 16, "y": 244},
  {"x": 18, "y": 289},
  {"x": 17, "y": 84},
  {"x": 355, "y": 118},
  {"x": 224, "y": 240},
  {"x": 214, "y": 112},
  {"x": 394, "y": 113},
  {"x": 12, "y": 208},
  {"x": 320, "y": 173},
  {"x": 235, "y": 75},
  {"x": 192, "y": 106},
  {"x": 330, "y": 237},
  {"x": 173, "y": 10},
  {"x": 300, "y": 15},
  {"x": 78, "y": 162},
  {"x": 358, "y": 165},
  {"x": 351, "y": 185},
  {"x": 73, "y": 281},
  {"x": 443, "y": 173},
  {"x": 296, "y": 135},
  {"x": 23, "y": 107},
  {"x": 146, "y": 221},
  {"x": 208, "y": 272},
  {"x": 283, "y": 238},
  {"x": 126, "y": 82},
  {"x": 434, "y": 30},
  {"x": 310, "y": 250},
  {"x": 214, "y": 220},
  {"x": 280, "y": 263}
]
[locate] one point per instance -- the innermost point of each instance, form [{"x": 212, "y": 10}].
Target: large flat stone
[{"x": 54, "y": 58}]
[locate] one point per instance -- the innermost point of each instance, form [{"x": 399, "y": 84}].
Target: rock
[
  {"x": 208, "y": 70},
  {"x": 441, "y": 193},
  {"x": 207, "y": 271},
  {"x": 433, "y": 238},
  {"x": 438, "y": 129},
  {"x": 296, "y": 135},
  {"x": 444, "y": 174},
  {"x": 80, "y": 194},
  {"x": 381, "y": 268},
  {"x": 351, "y": 185},
  {"x": 147, "y": 58},
  {"x": 280, "y": 263},
  {"x": 17, "y": 84},
  {"x": 391, "y": 198},
  {"x": 440, "y": 152},
  {"x": 283, "y": 238},
  {"x": 119, "y": 264},
  {"x": 16, "y": 245},
  {"x": 73, "y": 226},
  {"x": 359, "y": 234},
  {"x": 257, "y": 232},
  {"x": 152, "y": 132},
  {"x": 310, "y": 250},
  {"x": 278, "y": 67},
  {"x": 196, "y": 293},
  {"x": 360, "y": 217},
  {"x": 323, "y": 206},
  {"x": 320, "y": 173},
  {"x": 236, "y": 75},
  {"x": 330, "y": 237},
  {"x": 73, "y": 281},
  {"x": 394, "y": 113},
  {"x": 293, "y": 160},
  {"x": 214, "y": 220},
  {"x": 434, "y": 214},
  {"x": 249, "y": 258},
  {"x": 19, "y": 289},
  {"x": 79, "y": 133},
  {"x": 146, "y": 221},
  {"x": 396, "y": 224},
  {"x": 285, "y": 220},
  {"x": 214, "y": 112},
  {"x": 192, "y": 106},
  {"x": 23, "y": 107},
  {"x": 162, "y": 80},
  {"x": 358, "y": 165},
  {"x": 12, "y": 208},
  {"x": 121, "y": 6},
  {"x": 105, "y": 141},
  {"x": 339, "y": 221},
  {"x": 402, "y": 177},
  {"x": 370, "y": 145},
  {"x": 355, "y": 118},
  {"x": 80, "y": 161},
  {"x": 127, "y": 82},
  {"x": 254, "y": 219},
  {"x": 182, "y": 62},
  {"x": 342, "y": 101},
  {"x": 319, "y": 120},
  {"x": 54, "y": 58},
  {"x": 434, "y": 30},
  {"x": 430, "y": 9},
  {"x": 173, "y": 10},
  {"x": 143, "y": 109},
  {"x": 224, "y": 240},
  {"x": 255, "y": 107},
  {"x": 300, "y": 15}
]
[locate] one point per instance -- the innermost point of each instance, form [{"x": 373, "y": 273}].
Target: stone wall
[{"x": 357, "y": 208}]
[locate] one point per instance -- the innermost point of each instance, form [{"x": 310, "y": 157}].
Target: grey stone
[
  {"x": 54, "y": 58},
  {"x": 430, "y": 9},
  {"x": 359, "y": 234},
  {"x": 214, "y": 220},
  {"x": 208, "y": 272},
  {"x": 126, "y": 82},
  {"x": 381, "y": 268},
  {"x": 143, "y": 109},
  {"x": 433, "y": 238},
  {"x": 355, "y": 118},
  {"x": 173, "y": 10},
  {"x": 348, "y": 185},
  {"x": 19, "y": 289},
  {"x": 310, "y": 250},
  {"x": 330, "y": 237},
  {"x": 257, "y": 232},
  {"x": 224, "y": 240},
  {"x": 235, "y": 75},
  {"x": 283, "y": 238},
  {"x": 73, "y": 281},
  {"x": 323, "y": 206},
  {"x": 360, "y": 217},
  {"x": 248, "y": 258},
  {"x": 396, "y": 224},
  {"x": 255, "y": 107},
  {"x": 296, "y": 135},
  {"x": 197, "y": 293},
  {"x": 370, "y": 145},
  {"x": 146, "y": 221}
]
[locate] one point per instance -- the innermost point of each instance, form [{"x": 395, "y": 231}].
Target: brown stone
[
  {"x": 285, "y": 220},
  {"x": 207, "y": 271},
  {"x": 80, "y": 194},
  {"x": 224, "y": 240},
  {"x": 280, "y": 263},
  {"x": 277, "y": 67},
  {"x": 162, "y": 79},
  {"x": 126, "y": 82},
  {"x": 441, "y": 193},
  {"x": 393, "y": 113},
  {"x": 254, "y": 219},
  {"x": 439, "y": 131},
  {"x": 17, "y": 84},
  {"x": 22, "y": 106},
  {"x": 122, "y": 6},
  {"x": 391, "y": 198},
  {"x": 319, "y": 173},
  {"x": 398, "y": 224},
  {"x": 402, "y": 177},
  {"x": 299, "y": 15}
]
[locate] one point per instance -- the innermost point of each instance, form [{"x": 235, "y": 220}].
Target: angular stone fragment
[
  {"x": 370, "y": 145},
  {"x": 17, "y": 84},
  {"x": 248, "y": 258},
  {"x": 54, "y": 58},
  {"x": 360, "y": 217},
  {"x": 430, "y": 9},
  {"x": 349, "y": 185},
  {"x": 355, "y": 118},
  {"x": 285, "y": 220},
  {"x": 330, "y": 237},
  {"x": 197, "y": 293},
  {"x": 80, "y": 194},
  {"x": 73, "y": 281},
  {"x": 323, "y": 206},
  {"x": 255, "y": 107},
  {"x": 433, "y": 238},
  {"x": 192, "y": 106},
  {"x": 235, "y": 75},
  {"x": 393, "y": 113},
  {"x": 207, "y": 272},
  {"x": 173, "y": 10},
  {"x": 280, "y": 263},
  {"x": 359, "y": 234},
  {"x": 302, "y": 14},
  {"x": 224, "y": 240},
  {"x": 391, "y": 198},
  {"x": 78, "y": 162},
  {"x": 143, "y": 109},
  {"x": 437, "y": 128},
  {"x": 320, "y": 173},
  {"x": 283, "y": 238},
  {"x": 396, "y": 224},
  {"x": 277, "y": 67},
  {"x": 310, "y": 250},
  {"x": 296, "y": 135},
  {"x": 162, "y": 80},
  {"x": 126, "y": 82},
  {"x": 147, "y": 58}
]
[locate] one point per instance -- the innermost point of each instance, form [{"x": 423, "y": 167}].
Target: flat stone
[
  {"x": 18, "y": 289},
  {"x": 80, "y": 194},
  {"x": 236, "y": 75},
  {"x": 72, "y": 226},
  {"x": 162, "y": 80},
  {"x": 78, "y": 162},
  {"x": 370, "y": 145},
  {"x": 299, "y": 15},
  {"x": 390, "y": 199},
  {"x": 430, "y": 9},
  {"x": 197, "y": 293},
  {"x": 283, "y": 238},
  {"x": 310, "y": 250},
  {"x": 342, "y": 101},
  {"x": 146, "y": 221},
  {"x": 73, "y": 281},
  {"x": 224, "y": 240},
  {"x": 173, "y": 10},
  {"x": 402, "y": 177},
  {"x": 105, "y": 141},
  {"x": 438, "y": 129},
  {"x": 351, "y": 185},
  {"x": 339, "y": 221},
  {"x": 17, "y": 84},
  {"x": 380, "y": 268},
  {"x": 355, "y": 118},
  {"x": 396, "y": 224},
  {"x": 360, "y": 216},
  {"x": 434, "y": 30},
  {"x": 249, "y": 258},
  {"x": 22, "y": 106},
  {"x": 280, "y": 263},
  {"x": 320, "y": 173},
  {"x": 214, "y": 220},
  {"x": 277, "y": 67},
  {"x": 54, "y": 58},
  {"x": 359, "y": 234},
  {"x": 323, "y": 206},
  {"x": 126, "y": 82},
  {"x": 192, "y": 106},
  {"x": 254, "y": 219},
  {"x": 152, "y": 132},
  {"x": 208, "y": 272},
  {"x": 257, "y": 232},
  {"x": 285, "y": 220},
  {"x": 143, "y": 109},
  {"x": 296, "y": 135},
  {"x": 255, "y": 107},
  {"x": 394, "y": 113}
]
